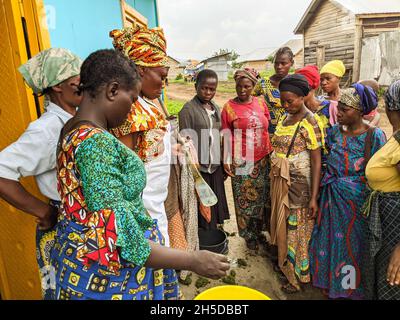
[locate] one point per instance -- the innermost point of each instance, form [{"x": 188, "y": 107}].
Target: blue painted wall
[
  {"x": 148, "y": 8},
  {"x": 83, "y": 26}
]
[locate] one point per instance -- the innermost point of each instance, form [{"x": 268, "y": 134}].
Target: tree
[{"x": 233, "y": 56}]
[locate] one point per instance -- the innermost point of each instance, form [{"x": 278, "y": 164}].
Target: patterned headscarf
[
  {"x": 350, "y": 98},
  {"x": 247, "y": 73},
  {"x": 146, "y": 47},
  {"x": 360, "y": 97},
  {"x": 49, "y": 68},
  {"x": 392, "y": 96}
]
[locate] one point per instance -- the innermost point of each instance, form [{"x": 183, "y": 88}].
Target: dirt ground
[
  {"x": 258, "y": 274},
  {"x": 185, "y": 92}
]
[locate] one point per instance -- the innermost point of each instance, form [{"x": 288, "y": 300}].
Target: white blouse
[{"x": 34, "y": 153}]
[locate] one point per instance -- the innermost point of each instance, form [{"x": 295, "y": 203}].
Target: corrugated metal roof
[
  {"x": 295, "y": 44},
  {"x": 262, "y": 54},
  {"x": 217, "y": 56},
  {"x": 356, "y": 7}
]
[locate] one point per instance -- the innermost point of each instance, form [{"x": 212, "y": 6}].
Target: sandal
[{"x": 290, "y": 289}]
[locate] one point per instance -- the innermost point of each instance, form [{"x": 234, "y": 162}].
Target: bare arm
[
  {"x": 393, "y": 272},
  {"x": 130, "y": 140},
  {"x": 315, "y": 181},
  {"x": 203, "y": 263},
  {"x": 16, "y": 195}
]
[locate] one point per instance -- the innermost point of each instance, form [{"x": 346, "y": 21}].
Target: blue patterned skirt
[
  {"x": 44, "y": 245},
  {"x": 74, "y": 281}
]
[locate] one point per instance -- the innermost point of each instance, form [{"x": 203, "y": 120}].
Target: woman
[
  {"x": 269, "y": 87},
  {"x": 200, "y": 119},
  {"x": 53, "y": 73},
  {"x": 339, "y": 235},
  {"x": 147, "y": 131},
  {"x": 295, "y": 177},
  {"x": 331, "y": 75},
  {"x": 383, "y": 210},
  {"x": 107, "y": 246},
  {"x": 318, "y": 105},
  {"x": 245, "y": 121}
]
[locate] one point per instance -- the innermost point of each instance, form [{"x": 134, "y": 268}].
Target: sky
[{"x": 195, "y": 29}]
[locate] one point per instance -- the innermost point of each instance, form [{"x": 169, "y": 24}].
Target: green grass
[
  {"x": 174, "y": 106},
  {"x": 177, "y": 81},
  {"x": 266, "y": 74},
  {"x": 226, "y": 87}
]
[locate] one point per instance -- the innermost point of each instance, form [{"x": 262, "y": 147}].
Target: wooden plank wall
[
  {"x": 374, "y": 26},
  {"x": 333, "y": 31}
]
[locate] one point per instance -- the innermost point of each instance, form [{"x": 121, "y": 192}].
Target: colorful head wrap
[
  {"x": 251, "y": 74},
  {"x": 49, "y": 68},
  {"x": 360, "y": 97},
  {"x": 392, "y": 96},
  {"x": 335, "y": 67},
  {"x": 146, "y": 47},
  {"x": 295, "y": 83},
  {"x": 311, "y": 73}
]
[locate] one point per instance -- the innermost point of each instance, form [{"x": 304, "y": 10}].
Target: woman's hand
[
  {"x": 48, "y": 219},
  {"x": 209, "y": 265},
  {"x": 313, "y": 209},
  {"x": 393, "y": 272},
  {"x": 228, "y": 168}
]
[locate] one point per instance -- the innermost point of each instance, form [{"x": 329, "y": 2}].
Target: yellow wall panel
[{"x": 19, "y": 277}]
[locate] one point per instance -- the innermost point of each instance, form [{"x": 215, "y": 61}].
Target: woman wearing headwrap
[
  {"x": 245, "y": 122},
  {"x": 382, "y": 261},
  {"x": 295, "y": 178},
  {"x": 147, "y": 131},
  {"x": 107, "y": 246},
  {"x": 339, "y": 237},
  {"x": 318, "y": 105},
  {"x": 55, "y": 74},
  {"x": 331, "y": 75}
]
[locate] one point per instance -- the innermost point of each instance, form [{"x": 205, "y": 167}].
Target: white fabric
[
  {"x": 210, "y": 114},
  {"x": 155, "y": 194},
  {"x": 34, "y": 153}
]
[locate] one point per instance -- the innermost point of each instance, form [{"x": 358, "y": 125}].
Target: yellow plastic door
[{"x": 19, "y": 275}]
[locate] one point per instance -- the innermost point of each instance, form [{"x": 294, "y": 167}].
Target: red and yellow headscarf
[{"x": 146, "y": 47}]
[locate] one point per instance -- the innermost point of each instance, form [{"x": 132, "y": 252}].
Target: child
[{"x": 200, "y": 119}]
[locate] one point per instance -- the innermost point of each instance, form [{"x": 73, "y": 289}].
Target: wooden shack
[
  {"x": 174, "y": 68},
  {"x": 335, "y": 30}
]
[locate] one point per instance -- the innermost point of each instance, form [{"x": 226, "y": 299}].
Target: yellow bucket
[{"x": 232, "y": 293}]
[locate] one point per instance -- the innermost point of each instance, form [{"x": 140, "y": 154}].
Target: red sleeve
[
  {"x": 266, "y": 111},
  {"x": 226, "y": 122}
]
